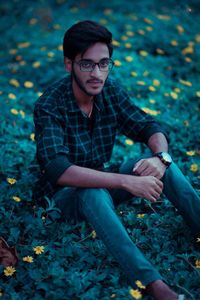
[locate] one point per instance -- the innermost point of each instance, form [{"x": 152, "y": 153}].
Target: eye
[
  {"x": 104, "y": 63},
  {"x": 86, "y": 64}
]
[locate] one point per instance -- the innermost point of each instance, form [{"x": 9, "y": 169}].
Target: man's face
[{"x": 90, "y": 82}]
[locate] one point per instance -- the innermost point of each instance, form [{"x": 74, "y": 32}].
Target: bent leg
[
  {"x": 183, "y": 196},
  {"x": 98, "y": 208}
]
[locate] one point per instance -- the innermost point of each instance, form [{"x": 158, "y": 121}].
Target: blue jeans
[{"x": 97, "y": 206}]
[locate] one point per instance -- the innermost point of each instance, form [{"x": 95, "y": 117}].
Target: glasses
[{"x": 86, "y": 65}]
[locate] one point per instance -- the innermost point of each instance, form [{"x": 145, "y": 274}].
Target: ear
[{"x": 68, "y": 64}]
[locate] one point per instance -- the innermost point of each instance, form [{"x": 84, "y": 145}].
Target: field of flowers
[{"x": 156, "y": 54}]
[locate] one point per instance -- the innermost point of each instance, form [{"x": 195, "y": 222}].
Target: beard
[{"x": 79, "y": 83}]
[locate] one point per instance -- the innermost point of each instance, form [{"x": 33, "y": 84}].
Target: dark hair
[{"x": 84, "y": 34}]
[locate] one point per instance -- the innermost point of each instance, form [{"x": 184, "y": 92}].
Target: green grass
[{"x": 162, "y": 76}]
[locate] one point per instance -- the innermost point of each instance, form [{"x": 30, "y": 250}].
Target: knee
[{"x": 95, "y": 197}]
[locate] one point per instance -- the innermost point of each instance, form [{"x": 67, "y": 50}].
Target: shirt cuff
[{"x": 56, "y": 168}]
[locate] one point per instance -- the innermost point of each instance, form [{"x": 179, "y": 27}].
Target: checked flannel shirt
[{"x": 64, "y": 137}]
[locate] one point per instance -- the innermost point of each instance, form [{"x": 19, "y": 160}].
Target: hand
[
  {"x": 148, "y": 187},
  {"x": 150, "y": 167}
]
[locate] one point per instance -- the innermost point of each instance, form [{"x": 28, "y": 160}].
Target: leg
[
  {"x": 66, "y": 200},
  {"x": 98, "y": 208},
  {"x": 180, "y": 192}
]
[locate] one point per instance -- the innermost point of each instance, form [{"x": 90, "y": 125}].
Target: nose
[{"x": 96, "y": 71}]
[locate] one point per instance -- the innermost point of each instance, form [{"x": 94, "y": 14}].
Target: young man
[{"x": 76, "y": 121}]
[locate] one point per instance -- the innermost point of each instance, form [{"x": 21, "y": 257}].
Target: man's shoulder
[
  {"x": 54, "y": 92},
  {"x": 113, "y": 85}
]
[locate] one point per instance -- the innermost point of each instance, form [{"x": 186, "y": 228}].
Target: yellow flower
[
  {"x": 128, "y": 45},
  {"x": 190, "y": 153},
  {"x": 188, "y": 50},
  {"x": 187, "y": 83},
  {"x": 143, "y": 53},
  {"x": 180, "y": 29},
  {"x": 141, "y": 82},
  {"x": 60, "y": 47},
  {"x": 14, "y": 111},
  {"x": 1, "y": 293},
  {"x": 198, "y": 240},
  {"x": 197, "y": 37},
  {"x": 112, "y": 296},
  {"x": 50, "y": 54},
  {"x": 14, "y": 82},
  {"x": 160, "y": 51},
  {"x": 174, "y": 43},
  {"x": 174, "y": 95},
  {"x": 11, "y": 96},
  {"x": 134, "y": 74},
  {"x": 194, "y": 167},
  {"x": 9, "y": 271},
  {"x": 94, "y": 235},
  {"x": 32, "y": 136},
  {"x": 38, "y": 249},
  {"x": 198, "y": 93},
  {"x": 28, "y": 84},
  {"x": 16, "y": 199},
  {"x": 149, "y": 28},
  {"x": 115, "y": 43},
  {"x": 130, "y": 33},
  {"x": 33, "y": 21},
  {"x": 197, "y": 262},
  {"x": 12, "y": 51},
  {"x": 129, "y": 58},
  {"x": 108, "y": 11},
  {"x": 124, "y": 38},
  {"x": 141, "y": 32},
  {"x": 156, "y": 82},
  {"x": 11, "y": 180},
  {"x": 152, "y": 101},
  {"x": 136, "y": 294},
  {"x": 129, "y": 142},
  {"x": 22, "y": 113},
  {"x": 28, "y": 259},
  {"x": 117, "y": 63},
  {"x": 140, "y": 216},
  {"x": 148, "y": 21},
  {"x": 24, "y": 45},
  {"x": 164, "y": 17},
  {"x": 36, "y": 64},
  {"x": 152, "y": 88},
  {"x": 150, "y": 111},
  {"x": 140, "y": 285}
]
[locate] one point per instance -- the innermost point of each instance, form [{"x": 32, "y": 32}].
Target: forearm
[
  {"x": 85, "y": 177},
  {"x": 158, "y": 143}
]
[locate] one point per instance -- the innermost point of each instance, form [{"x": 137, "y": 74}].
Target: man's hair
[{"x": 83, "y": 35}]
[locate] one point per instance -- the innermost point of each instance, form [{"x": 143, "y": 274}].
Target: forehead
[{"x": 95, "y": 52}]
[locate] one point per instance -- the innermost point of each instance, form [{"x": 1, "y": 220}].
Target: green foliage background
[{"x": 157, "y": 48}]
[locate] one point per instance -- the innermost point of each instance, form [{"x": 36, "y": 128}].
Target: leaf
[{"x": 8, "y": 255}]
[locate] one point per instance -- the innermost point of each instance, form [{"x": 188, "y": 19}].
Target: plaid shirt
[{"x": 64, "y": 137}]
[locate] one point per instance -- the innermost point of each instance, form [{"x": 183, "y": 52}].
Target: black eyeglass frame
[{"x": 93, "y": 64}]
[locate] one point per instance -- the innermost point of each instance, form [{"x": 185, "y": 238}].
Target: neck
[{"x": 81, "y": 97}]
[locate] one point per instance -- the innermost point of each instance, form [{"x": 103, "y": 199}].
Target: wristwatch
[{"x": 164, "y": 157}]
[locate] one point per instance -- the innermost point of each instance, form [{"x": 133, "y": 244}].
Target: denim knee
[{"x": 96, "y": 198}]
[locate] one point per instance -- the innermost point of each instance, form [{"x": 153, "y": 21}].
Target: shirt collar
[{"x": 72, "y": 106}]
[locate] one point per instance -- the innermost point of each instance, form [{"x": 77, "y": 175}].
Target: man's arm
[
  {"x": 153, "y": 165},
  {"x": 148, "y": 187}
]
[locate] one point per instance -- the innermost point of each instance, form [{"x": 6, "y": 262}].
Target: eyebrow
[{"x": 90, "y": 60}]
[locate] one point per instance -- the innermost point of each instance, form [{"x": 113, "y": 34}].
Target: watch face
[{"x": 166, "y": 157}]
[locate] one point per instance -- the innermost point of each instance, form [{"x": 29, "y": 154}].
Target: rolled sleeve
[
  {"x": 52, "y": 149},
  {"x": 56, "y": 168}
]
